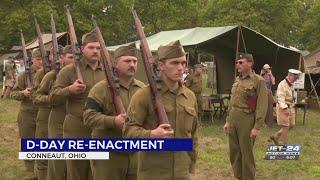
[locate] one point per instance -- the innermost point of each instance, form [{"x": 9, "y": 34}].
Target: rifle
[
  {"x": 56, "y": 61},
  {"x": 74, "y": 43},
  {"x": 27, "y": 61},
  {"x": 44, "y": 55},
  {"x": 113, "y": 81},
  {"x": 151, "y": 71}
]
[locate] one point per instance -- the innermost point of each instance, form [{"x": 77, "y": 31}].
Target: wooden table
[{"x": 216, "y": 104}]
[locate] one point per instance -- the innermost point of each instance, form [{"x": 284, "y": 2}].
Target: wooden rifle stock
[
  {"x": 56, "y": 64},
  {"x": 74, "y": 44},
  {"x": 26, "y": 60},
  {"x": 113, "y": 82},
  {"x": 150, "y": 67},
  {"x": 44, "y": 57}
]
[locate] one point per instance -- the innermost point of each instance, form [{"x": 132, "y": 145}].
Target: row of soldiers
[{"x": 60, "y": 105}]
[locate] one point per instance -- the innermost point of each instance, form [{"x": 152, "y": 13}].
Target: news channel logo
[{"x": 283, "y": 152}]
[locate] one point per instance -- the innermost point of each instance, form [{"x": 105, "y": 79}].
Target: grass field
[{"x": 213, "y": 160}]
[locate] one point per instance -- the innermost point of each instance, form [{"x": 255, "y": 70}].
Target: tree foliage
[{"x": 289, "y": 22}]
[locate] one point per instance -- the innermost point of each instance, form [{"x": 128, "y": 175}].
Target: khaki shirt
[
  {"x": 285, "y": 94},
  {"x": 100, "y": 112},
  {"x": 9, "y": 71},
  {"x": 42, "y": 94},
  {"x": 20, "y": 85},
  {"x": 66, "y": 77},
  {"x": 194, "y": 82},
  {"x": 10, "y": 75},
  {"x": 181, "y": 109},
  {"x": 38, "y": 78},
  {"x": 241, "y": 88}
]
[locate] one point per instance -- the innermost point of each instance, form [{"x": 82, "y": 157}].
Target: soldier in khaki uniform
[
  {"x": 41, "y": 99},
  {"x": 246, "y": 114},
  {"x": 194, "y": 83},
  {"x": 10, "y": 75},
  {"x": 68, "y": 86},
  {"x": 181, "y": 108},
  {"x": 285, "y": 107},
  {"x": 28, "y": 111},
  {"x": 101, "y": 118},
  {"x": 57, "y": 169},
  {"x": 42, "y": 117}
]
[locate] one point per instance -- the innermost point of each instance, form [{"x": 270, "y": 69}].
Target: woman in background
[{"x": 270, "y": 80}]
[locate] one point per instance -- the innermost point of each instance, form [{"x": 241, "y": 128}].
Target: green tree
[
  {"x": 279, "y": 20},
  {"x": 310, "y": 34},
  {"x": 289, "y": 22}
]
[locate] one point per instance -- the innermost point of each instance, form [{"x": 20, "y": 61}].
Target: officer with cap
[
  {"x": 285, "y": 107},
  {"x": 246, "y": 113}
]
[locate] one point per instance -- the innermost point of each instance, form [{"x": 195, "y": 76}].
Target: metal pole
[{"x": 237, "y": 51}]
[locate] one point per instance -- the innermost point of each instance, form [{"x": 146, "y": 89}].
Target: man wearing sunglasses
[
  {"x": 246, "y": 114},
  {"x": 285, "y": 107}
]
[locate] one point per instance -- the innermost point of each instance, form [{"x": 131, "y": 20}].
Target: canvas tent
[
  {"x": 223, "y": 42},
  {"x": 14, "y": 55},
  {"x": 46, "y": 38}
]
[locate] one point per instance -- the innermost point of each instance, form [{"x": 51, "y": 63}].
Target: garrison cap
[
  {"x": 246, "y": 56},
  {"x": 127, "y": 50},
  {"x": 36, "y": 53},
  {"x": 89, "y": 37},
  {"x": 171, "y": 50},
  {"x": 67, "y": 49}
]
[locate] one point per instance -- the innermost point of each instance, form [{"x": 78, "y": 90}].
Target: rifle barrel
[
  {"x": 74, "y": 43},
  {"x": 110, "y": 76},
  {"x": 41, "y": 46},
  {"x": 154, "y": 81}
]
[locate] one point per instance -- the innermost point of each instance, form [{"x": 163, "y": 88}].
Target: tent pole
[
  {"x": 214, "y": 85},
  {"x": 300, "y": 61},
  {"x": 187, "y": 65},
  {"x": 312, "y": 85},
  {"x": 237, "y": 51}
]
